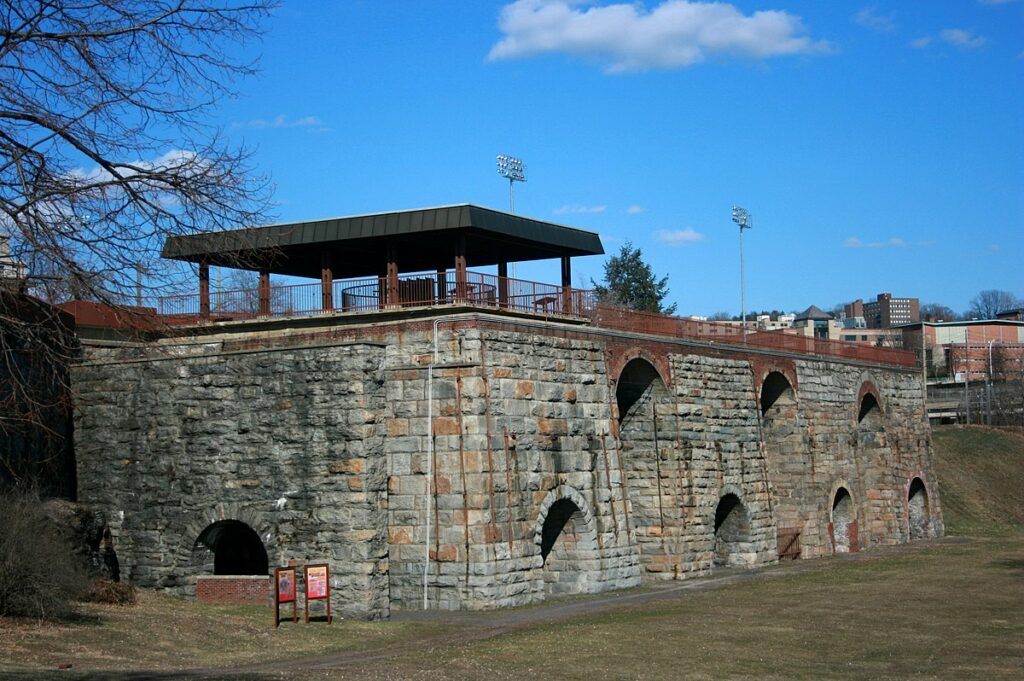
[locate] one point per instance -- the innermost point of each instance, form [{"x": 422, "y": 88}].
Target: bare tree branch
[{"x": 106, "y": 150}]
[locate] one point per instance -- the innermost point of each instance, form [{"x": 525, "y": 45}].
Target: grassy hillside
[{"x": 981, "y": 478}]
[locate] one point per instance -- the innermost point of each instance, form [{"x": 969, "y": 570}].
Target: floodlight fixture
[
  {"x": 513, "y": 169},
  {"x": 742, "y": 218}
]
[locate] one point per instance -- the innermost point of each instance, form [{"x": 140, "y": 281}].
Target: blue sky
[{"x": 879, "y": 147}]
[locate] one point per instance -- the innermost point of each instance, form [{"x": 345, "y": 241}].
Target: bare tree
[
  {"x": 987, "y": 304},
  {"x": 106, "y": 148},
  {"x": 937, "y": 312}
]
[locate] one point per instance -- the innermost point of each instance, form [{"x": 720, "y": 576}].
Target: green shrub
[{"x": 39, "y": 576}]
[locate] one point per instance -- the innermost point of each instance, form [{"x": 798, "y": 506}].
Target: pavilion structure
[{"x": 386, "y": 261}]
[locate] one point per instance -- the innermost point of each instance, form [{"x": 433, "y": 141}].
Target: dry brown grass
[
  {"x": 168, "y": 634},
  {"x": 932, "y": 611},
  {"x": 981, "y": 478},
  {"x": 936, "y": 610}
]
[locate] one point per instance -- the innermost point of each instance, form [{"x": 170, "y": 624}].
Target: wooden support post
[
  {"x": 326, "y": 283},
  {"x": 461, "y": 279},
  {"x": 204, "y": 289},
  {"x": 264, "y": 293},
  {"x": 392, "y": 276},
  {"x": 566, "y": 286},
  {"x": 503, "y": 284}
]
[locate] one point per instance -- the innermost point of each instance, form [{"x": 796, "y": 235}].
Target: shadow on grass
[{"x": 1011, "y": 564}]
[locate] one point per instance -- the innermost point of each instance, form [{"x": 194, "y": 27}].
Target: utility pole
[
  {"x": 967, "y": 375},
  {"x": 988, "y": 391}
]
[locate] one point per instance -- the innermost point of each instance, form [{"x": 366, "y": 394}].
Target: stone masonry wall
[
  {"x": 521, "y": 423},
  {"x": 289, "y": 442},
  {"x": 817, "y": 445},
  {"x": 327, "y": 443}
]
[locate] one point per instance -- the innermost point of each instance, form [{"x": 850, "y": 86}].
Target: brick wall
[{"x": 233, "y": 589}]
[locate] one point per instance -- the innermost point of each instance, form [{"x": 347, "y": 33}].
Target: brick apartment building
[{"x": 885, "y": 311}]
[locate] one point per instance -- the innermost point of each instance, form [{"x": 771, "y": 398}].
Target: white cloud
[
  {"x": 961, "y": 38},
  {"x": 570, "y": 209},
  {"x": 854, "y": 242},
  {"x": 922, "y": 42},
  {"x": 675, "y": 237},
  {"x": 868, "y": 19},
  {"x": 282, "y": 121},
  {"x": 635, "y": 209},
  {"x": 175, "y": 159},
  {"x": 629, "y": 37}
]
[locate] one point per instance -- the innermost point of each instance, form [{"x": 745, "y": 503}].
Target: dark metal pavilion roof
[{"x": 421, "y": 240}]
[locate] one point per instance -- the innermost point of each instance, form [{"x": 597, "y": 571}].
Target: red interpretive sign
[
  {"x": 284, "y": 592},
  {"x": 318, "y": 586}
]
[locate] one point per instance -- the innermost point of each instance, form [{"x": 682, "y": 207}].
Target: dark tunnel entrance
[{"x": 236, "y": 548}]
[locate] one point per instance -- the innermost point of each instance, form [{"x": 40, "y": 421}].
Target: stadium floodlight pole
[
  {"x": 742, "y": 218},
  {"x": 512, "y": 168}
]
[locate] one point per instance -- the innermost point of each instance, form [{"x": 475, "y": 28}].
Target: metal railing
[
  {"x": 501, "y": 293},
  {"x": 648, "y": 322},
  {"x": 380, "y": 293}
]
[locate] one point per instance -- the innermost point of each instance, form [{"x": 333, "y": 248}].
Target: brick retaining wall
[{"x": 233, "y": 589}]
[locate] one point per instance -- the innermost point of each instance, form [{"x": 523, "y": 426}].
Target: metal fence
[
  {"x": 648, "y": 322},
  {"x": 502, "y": 293},
  {"x": 380, "y": 293}
]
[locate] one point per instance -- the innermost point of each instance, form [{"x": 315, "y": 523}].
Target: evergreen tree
[{"x": 629, "y": 281}]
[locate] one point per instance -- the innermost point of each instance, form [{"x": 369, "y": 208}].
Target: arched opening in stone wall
[
  {"x": 776, "y": 391},
  {"x": 786, "y": 449},
  {"x": 918, "y": 515},
  {"x": 870, "y": 430},
  {"x": 652, "y": 460},
  {"x": 869, "y": 409},
  {"x": 236, "y": 549},
  {"x": 637, "y": 380},
  {"x": 568, "y": 548},
  {"x": 732, "y": 533},
  {"x": 843, "y": 522}
]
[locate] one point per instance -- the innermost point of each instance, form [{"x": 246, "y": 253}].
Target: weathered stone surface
[
  {"x": 166, "y": 469},
  {"x": 546, "y": 473}
]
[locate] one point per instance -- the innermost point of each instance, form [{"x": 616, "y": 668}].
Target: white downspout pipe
[{"x": 428, "y": 503}]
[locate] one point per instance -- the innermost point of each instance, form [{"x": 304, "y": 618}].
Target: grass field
[
  {"x": 981, "y": 479},
  {"x": 951, "y": 609}
]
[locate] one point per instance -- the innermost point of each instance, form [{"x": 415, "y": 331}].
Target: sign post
[
  {"x": 284, "y": 592},
  {"x": 318, "y": 586}
]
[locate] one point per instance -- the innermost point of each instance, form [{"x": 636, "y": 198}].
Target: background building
[
  {"x": 885, "y": 311},
  {"x": 12, "y": 272}
]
